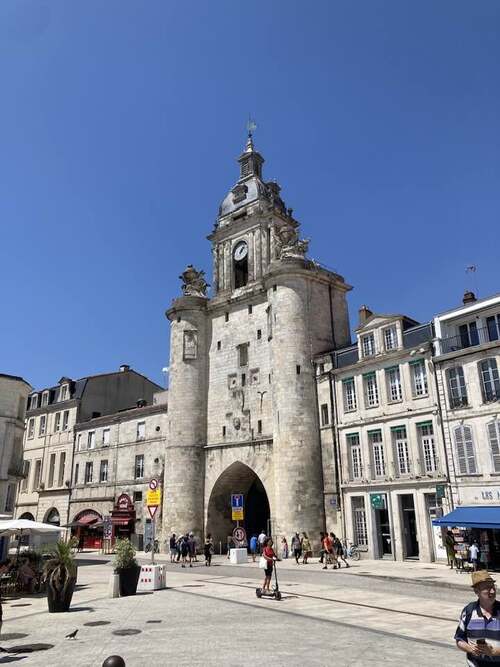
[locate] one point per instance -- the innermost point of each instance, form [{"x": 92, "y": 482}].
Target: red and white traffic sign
[
  {"x": 152, "y": 509},
  {"x": 153, "y": 484},
  {"x": 239, "y": 535}
]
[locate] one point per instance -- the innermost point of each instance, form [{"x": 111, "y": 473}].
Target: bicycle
[
  {"x": 351, "y": 550},
  {"x": 148, "y": 547}
]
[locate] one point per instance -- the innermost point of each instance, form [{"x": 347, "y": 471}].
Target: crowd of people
[
  {"x": 184, "y": 548},
  {"x": 332, "y": 551}
]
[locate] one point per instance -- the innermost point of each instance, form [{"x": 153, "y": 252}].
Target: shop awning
[
  {"x": 120, "y": 521},
  {"x": 478, "y": 516}
]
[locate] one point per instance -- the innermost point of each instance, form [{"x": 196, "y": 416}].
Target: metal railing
[{"x": 471, "y": 338}]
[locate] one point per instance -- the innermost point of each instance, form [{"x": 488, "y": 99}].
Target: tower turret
[{"x": 185, "y": 462}]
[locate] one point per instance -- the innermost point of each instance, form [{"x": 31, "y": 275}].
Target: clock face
[{"x": 240, "y": 251}]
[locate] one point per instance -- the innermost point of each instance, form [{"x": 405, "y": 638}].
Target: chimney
[
  {"x": 124, "y": 368},
  {"x": 364, "y": 314},
  {"x": 469, "y": 297}
]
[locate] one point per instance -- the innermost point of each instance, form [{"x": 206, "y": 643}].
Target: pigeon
[{"x": 72, "y": 635}]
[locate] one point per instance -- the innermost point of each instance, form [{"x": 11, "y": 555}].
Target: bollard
[
  {"x": 114, "y": 661},
  {"x": 114, "y": 586}
]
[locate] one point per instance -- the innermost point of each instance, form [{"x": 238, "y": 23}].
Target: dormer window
[
  {"x": 368, "y": 345},
  {"x": 34, "y": 402},
  {"x": 390, "y": 338},
  {"x": 63, "y": 393},
  {"x": 45, "y": 398}
]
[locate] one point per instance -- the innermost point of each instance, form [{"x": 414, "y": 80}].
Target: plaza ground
[{"x": 375, "y": 613}]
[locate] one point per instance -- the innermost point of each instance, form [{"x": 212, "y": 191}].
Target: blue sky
[{"x": 121, "y": 121}]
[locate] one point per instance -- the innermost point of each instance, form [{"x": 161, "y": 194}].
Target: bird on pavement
[{"x": 72, "y": 635}]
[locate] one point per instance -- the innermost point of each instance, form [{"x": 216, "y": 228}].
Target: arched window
[
  {"x": 494, "y": 438},
  {"x": 466, "y": 455},
  {"x": 240, "y": 263},
  {"x": 53, "y": 517}
]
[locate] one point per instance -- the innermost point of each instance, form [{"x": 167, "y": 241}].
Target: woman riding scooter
[{"x": 270, "y": 556}]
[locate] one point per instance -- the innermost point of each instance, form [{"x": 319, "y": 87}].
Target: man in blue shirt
[
  {"x": 253, "y": 546},
  {"x": 478, "y": 632}
]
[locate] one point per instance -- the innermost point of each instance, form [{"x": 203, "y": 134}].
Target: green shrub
[{"x": 124, "y": 555}]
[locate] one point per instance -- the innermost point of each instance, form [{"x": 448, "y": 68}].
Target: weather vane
[{"x": 251, "y": 125}]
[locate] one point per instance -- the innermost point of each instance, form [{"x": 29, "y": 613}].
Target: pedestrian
[
  {"x": 322, "y": 550},
  {"x": 328, "y": 549},
  {"x": 208, "y": 549},
  {"x": 474, "y": 554},
  {"x": 306, "y": 548},
  {"x": 478, "y": 631},
  {"x": 449, "y": 543},
  {"x": 339, "y": 550},
  {"x": 284, "y": 548},
  {"x": 192, "y": 549},
  {"x": 184, "y": 550},
  {"x": 296, "y": 545},
  {"x": 270, "y": 556},
  {"x": 173, "y": 547},
  {"x": 262, "y": 539},
  {"x": 253, "y": 546}
]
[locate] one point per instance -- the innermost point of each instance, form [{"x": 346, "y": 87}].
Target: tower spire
[{"x": 250, "y": 160}]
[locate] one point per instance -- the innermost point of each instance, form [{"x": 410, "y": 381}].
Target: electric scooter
[{"x": 275, "y": 593}]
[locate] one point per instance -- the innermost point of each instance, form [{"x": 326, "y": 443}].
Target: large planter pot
[
  {"x": 129, "y": 578},
  {"x": 58, "y": 602}
]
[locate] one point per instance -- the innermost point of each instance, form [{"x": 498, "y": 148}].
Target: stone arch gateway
[{"x": 237, "y": 478}]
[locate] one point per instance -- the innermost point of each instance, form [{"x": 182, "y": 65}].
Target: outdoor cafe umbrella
[{"x": 22, "y": 527}]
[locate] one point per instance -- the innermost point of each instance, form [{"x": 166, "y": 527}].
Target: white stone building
[
  {"x": 45, "y": 490},
  {"x": 467, "y": 360},
  {"x": 115, "y": 457},
  {"x": 379, "y": 413},
  {"x": 14, "y": 392}
]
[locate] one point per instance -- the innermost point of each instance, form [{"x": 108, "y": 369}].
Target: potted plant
[
  {"x": 60, "y": 574},
  {"x": 127, "y": 567}
]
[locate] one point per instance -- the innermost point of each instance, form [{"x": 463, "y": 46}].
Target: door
[
  {"x": 409, "y": 525},
  {"x": 383, "y": 532}
]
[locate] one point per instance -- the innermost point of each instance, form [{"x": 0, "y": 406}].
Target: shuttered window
[
  {"x": 354, "y": 453},
  {"x": 466, "y": 456},
  {"x": 494, "y": 438},
  {"x": 490, "y": 381}
]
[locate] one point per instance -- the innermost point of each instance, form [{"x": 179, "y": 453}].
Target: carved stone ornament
[
  {"x": 288, "y": 244},
  {"x": 193, "y": 282},
  {"x": 239, "y": 193},
  {"x": 190, "y": 344}
]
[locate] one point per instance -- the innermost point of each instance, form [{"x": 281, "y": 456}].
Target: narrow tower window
[{"x": 240, "y": 265}]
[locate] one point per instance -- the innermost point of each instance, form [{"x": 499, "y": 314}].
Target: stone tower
[{"x": 242, "y": 406}]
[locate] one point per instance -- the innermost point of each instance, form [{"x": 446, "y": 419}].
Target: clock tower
[{"x": 242, "y": 406}]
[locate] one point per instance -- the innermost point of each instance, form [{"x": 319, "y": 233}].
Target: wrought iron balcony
[{"x": 470, "y": 338}]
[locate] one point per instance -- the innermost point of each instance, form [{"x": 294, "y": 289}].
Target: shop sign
[
  {"x": 377, "y": 500},
  {"x": 490, "y": 494},
  {"x": 107, "y": 527},
  {"x": 124, "y": 503},
  {"x": 440, "y": 490}
]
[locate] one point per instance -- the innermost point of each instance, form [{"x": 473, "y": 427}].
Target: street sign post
[
  {"x": 153, "y": 501},
  {"x": 240, "y": 537},
  {"x": 237, "y": 511}
]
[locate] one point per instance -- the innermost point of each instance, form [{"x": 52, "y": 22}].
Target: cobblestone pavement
[{"x": 212, "y": 617}]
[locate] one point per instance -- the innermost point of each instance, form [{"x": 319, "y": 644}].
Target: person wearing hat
[{"x": 478, "y": 631}]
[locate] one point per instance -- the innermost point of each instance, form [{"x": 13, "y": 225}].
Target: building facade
[
  {"x": 379, "y": 413},
  {"x": 242, "y": 415},
  {"x": 14, "y": 393},
  {"x": 467, "y": 360},
  {"x": 115, "y": 458},
  {"x": 45, "y": 490}
]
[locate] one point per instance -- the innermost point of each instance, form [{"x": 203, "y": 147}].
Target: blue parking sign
[{"x": 236, "y": 501}]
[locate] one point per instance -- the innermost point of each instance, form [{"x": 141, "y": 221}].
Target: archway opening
[{"x": 238, "y": 478}]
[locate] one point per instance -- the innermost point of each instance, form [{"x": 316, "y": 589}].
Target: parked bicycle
[
  {"x": 351, "y": 550},
  {"x": 148, "y": 547}
]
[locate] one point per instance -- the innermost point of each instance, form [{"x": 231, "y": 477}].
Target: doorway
[
  {"x": 237, "y": 478},
  {"x": 410, "y": 539},
  {"x": 383, "y": 526}
]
